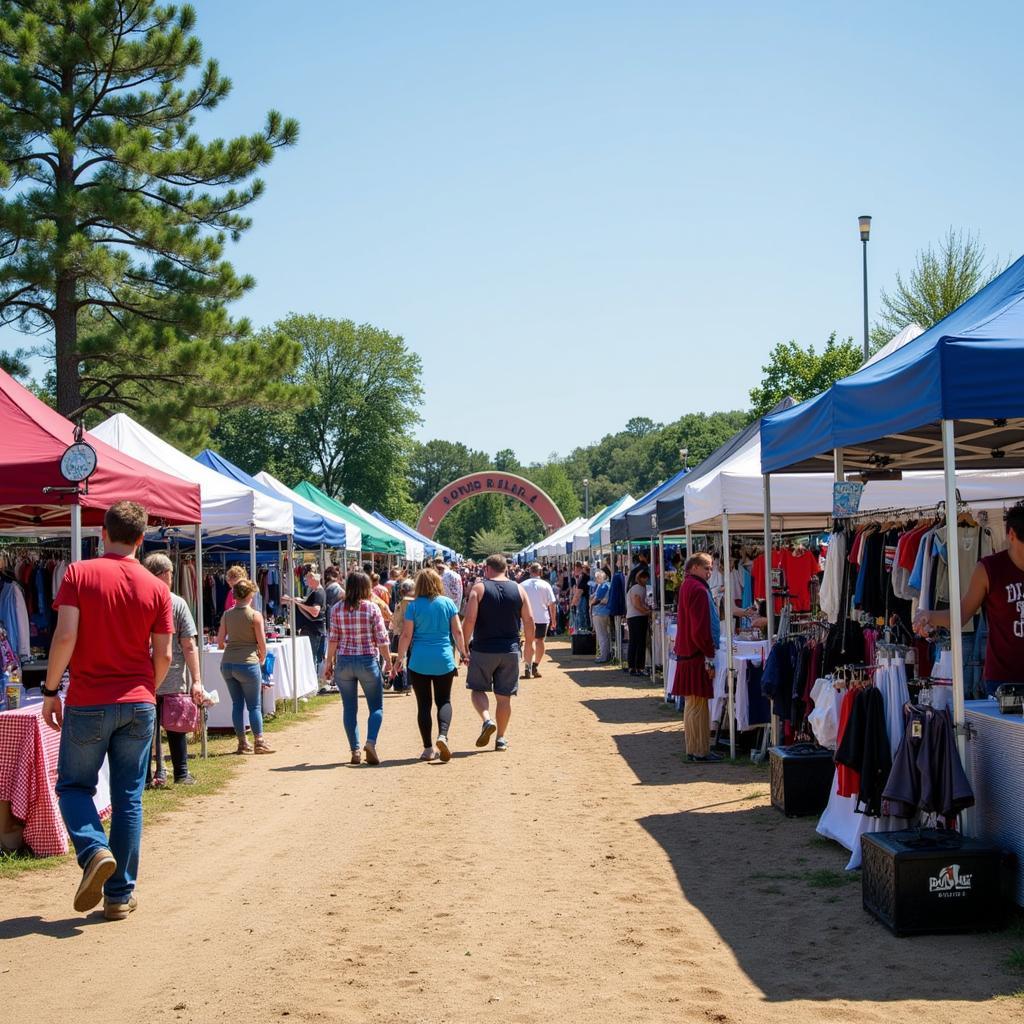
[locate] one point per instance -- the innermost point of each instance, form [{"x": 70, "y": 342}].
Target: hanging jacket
[{"x": 865, "y": 748}]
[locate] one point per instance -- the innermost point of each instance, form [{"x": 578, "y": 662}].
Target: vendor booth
[
  {"x": 951, "y": 399},
  {"x": 412, "y": 549},
  {"x": 37, "y": 499}
]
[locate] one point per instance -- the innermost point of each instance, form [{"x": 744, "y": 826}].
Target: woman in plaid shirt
[{"x": 357, "y": 640}]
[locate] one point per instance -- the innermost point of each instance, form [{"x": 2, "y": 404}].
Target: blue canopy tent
[
  {"x": 954, "y": 395},
  {"x": 431, "y": 547},
  {"x": 311, "y": 528},
  {"x": 635, "y": 522}
]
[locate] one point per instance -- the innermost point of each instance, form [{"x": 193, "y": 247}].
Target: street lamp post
[
  {"x": 586, "y": 498},
  {"x": 865, "y": 233}
]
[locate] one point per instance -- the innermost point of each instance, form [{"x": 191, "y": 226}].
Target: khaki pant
[{"x": 697, "y": 726}]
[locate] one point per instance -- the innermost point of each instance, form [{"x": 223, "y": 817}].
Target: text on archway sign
[{"x": 498, "y": 484}]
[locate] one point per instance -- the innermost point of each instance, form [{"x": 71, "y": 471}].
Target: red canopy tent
[{"x": 34, "y": 437}]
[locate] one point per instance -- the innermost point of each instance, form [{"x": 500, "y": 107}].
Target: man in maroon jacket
[{"x": 695, "y": 657}]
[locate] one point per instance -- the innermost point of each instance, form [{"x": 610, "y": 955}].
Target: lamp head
[{"x": 865, "y": 227}]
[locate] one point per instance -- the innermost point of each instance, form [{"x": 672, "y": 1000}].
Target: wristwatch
[{"x": 49, "y": 693}]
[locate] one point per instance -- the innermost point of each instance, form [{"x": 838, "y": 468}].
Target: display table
[
  {"x": 29, "y": 749},
  {"x": 996, "y": 767},
  {"x": 283, "y": 688}
]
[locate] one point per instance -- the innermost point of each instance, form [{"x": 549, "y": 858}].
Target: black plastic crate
[
  {"x": 928, "y": 881},
  {"x": 584, "y": 643},
  {"x": 801, "y": 779}
]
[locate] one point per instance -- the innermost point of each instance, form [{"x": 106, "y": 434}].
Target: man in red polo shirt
[{"x": 114, "y": 627}]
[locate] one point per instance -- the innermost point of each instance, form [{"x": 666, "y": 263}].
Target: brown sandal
[
  {"x": 262, "y": 747},
  {"x": 243, "y": 747},
  {"x": 357, "y": 757}
]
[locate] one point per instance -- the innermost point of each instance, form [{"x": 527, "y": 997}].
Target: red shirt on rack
[{"x": 800, "y": 568}]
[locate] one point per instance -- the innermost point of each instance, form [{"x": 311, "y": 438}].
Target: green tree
[
  {"x": 505, "y": 461},
  {"x": 117, "y": 214},
  {"x": 361, "y": 389},
  {"x": 435, "y": 463},
  {"x": 16, "y": 363},
  {"x": 641, "y": 426},
  {"x": 803, "y": 372},
  {"x": 257, "y": 439},
  {"x": 556, "y": 482},
  {"x": 944, "y": 277},
  {"x": 491, "y": 542}
]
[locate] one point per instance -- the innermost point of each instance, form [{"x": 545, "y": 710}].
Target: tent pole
[
  {"x": 956, "y": 629},
  {"x": 661, "y": 604},
  {"x": 76, "y": 532},
  {"x": 323, "y": 560},
  {"x": 727, "y": 598},
  {"x": 200, "y": 626},
  {"x": 838, "y": 461},
  {"x": 252, "y": 551},
  {"x": 291, "y": 624},
  {"x": 769, "y": 603}
]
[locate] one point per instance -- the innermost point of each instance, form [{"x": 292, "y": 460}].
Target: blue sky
[{"x": 600, "y": 210}]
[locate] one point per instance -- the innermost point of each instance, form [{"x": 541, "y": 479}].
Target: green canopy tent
[{"x": 374, "y": 538}]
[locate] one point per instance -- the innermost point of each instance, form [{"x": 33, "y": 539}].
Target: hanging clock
[{"x": 78, "y": 463}]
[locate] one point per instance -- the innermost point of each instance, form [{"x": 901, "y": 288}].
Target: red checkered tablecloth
[{"x": 28, "y": 773}]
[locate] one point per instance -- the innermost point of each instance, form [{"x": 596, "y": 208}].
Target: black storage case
[
  {"x": 584, "y": 643},
  {"x": 929, "y": 881},
  {"x": 801, "y": 778}
]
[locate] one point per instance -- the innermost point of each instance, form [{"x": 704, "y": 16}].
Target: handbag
[{"x": 178, "y": 713}]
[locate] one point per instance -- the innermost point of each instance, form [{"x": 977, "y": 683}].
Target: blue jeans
[
  {"x": 124, "y": 734},
  {"x": 319, "y": 646},
  {"x": 364, "y": 670},
  {"x": 245, "y": 686}
]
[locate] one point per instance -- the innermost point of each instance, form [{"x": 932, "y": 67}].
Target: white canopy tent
[
  {"x": 554, "y": 544},
  {"x": 414, "y": 551},
  {"x": 227, "y": 507}
]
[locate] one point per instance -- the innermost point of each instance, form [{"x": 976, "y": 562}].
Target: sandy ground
[{"x": 588, "y": 874}]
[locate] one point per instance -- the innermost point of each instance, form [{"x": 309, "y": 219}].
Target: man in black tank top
[{"x": 496, "y": 608}]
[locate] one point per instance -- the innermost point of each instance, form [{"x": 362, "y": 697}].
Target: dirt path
[{"x": 586, "y": 875}]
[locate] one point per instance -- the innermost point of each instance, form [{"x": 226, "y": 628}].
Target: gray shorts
[{"x": 499, "y": 672}]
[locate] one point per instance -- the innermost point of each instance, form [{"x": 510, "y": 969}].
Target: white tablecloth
[{"x": 219, "y": 716}]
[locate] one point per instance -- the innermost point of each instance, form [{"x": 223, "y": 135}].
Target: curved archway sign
[{"x": 475, "y": 484}]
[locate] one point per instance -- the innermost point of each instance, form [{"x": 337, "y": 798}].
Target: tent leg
[
  {"x": 727, "y": 576},
  {"x": 323, "y": 560},
  {"x": 76, "y": 532},
  {"x": 252, "y": 552},
  {"x": 769, "y": 603},
  {"x": 291, "y": 624},
  {"x": 956, "y": 629},
  {"x": 200, "y": 626},
  {"x": 661, "y": 606}
]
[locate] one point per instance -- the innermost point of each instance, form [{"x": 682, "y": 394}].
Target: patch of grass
[
  {"x": 821, "y": 841},
  {"x": 211, "y": 776},
  {"x": 1014, "y": 962},
  {"x": 828, "y": 879},
  {"x": 1018, "y": 995}
]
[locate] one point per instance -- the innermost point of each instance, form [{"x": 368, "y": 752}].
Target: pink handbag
[{"x": 178, "y": 713}]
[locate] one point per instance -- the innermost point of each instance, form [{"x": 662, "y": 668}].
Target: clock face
[{"x": 78, "y": 462}]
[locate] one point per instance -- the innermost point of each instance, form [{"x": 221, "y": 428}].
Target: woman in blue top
[
  {"x": 601, "y": 617},
  {"x": 432, "y": 620}
]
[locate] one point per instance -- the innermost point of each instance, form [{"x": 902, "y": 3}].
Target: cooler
[
  {"x": 927, "y": 881},
  {"x": 801, "y": 778}
]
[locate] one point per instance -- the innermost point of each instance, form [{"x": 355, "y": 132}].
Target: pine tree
[{"x": 113, "y": 230}]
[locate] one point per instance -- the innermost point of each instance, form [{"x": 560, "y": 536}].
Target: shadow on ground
[{"x": 779, "y": 898}]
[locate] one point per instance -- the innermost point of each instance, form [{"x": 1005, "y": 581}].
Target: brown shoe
[
  {"x": 243, "y": 747},
  {"x": 90, "y": 890},
  {"x": 357, "y": 757},
  {"x": 119, "y": 911},
  {"x": 371, "y": 754},
  {"x": 263, "y": 747}
]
